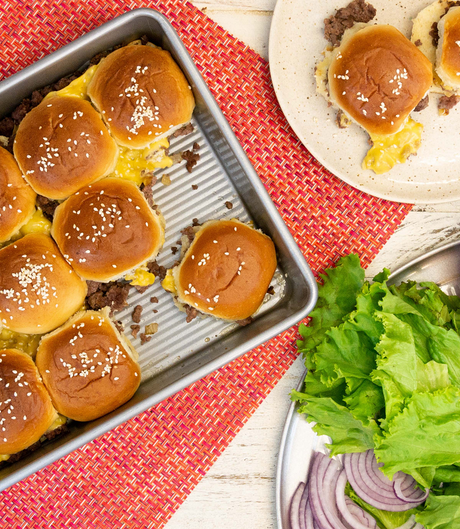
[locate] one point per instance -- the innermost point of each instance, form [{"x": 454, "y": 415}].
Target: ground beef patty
[{"x": 345, "y": 18}]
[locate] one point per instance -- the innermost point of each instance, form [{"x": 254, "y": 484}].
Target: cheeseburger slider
[
  {"x": 436, "y": 31},
  {"x": 88, "y": 367},
  {"x": 26, "y": 411},
  {"x": 376, "y": 77},
  {"x": 38, "y": 289},
  {"x": 225, "y": 272},
  {"x": 62, "y": 145},
  {"x": 142, "y": 95},
  {"x": 17, "y": 199},
  {"x": 107, "y": 230}
]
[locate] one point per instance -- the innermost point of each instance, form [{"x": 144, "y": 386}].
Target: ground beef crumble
[
  {"x": 345, "y": 17},
  {"x": 191, "y": 159},
  {"x": 423, "y": 103},
  {"x": 191, "y": 312},
  {"x": 144, "y": 338},
  {"x": 113, "y": 295},
  {"x": 183, "y": 131},
  {"x": 137, "y": 313},
  {"x": 135, "y": 330},
  {"x": 446, "y": 103},
  {"x": 47, "y": 206},
  {"x": 157, "y": 270}
]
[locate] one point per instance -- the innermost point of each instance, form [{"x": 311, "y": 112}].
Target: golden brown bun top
[
  {"x": 378, "y": 77},
  {"x": 26, "y": 411},
  {"x": 141, "y": 93},
  {"x": 38, "y": 289},
  {"x": 107, "y": 229},
  {"x": 88, "y": 368},
  {"x": 62, "y": 145},
  {"x": 227, "y": 270},
  {"x": 17, "y": 199},
  {"x": 449, "y": 48}
]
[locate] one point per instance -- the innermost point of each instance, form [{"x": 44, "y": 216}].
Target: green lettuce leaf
[
  {"x": 447, "y": 474},
  {"x": 348, "y": 434},
  {"x": 441, "y": 512},
  {"x": 344, "y": 354},
  {"x": 365, "y": 401},
  {"x": 432, "y": 376},
  {"x": 425, "y": 434},
  {"x": 336, "y": 298}
]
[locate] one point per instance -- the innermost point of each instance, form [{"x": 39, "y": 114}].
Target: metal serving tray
[
  {"x": 298, "y": 441},
  {"x": 179, "y": 353}
]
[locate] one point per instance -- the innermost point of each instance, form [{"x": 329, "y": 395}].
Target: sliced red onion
[
  {"x": 415, "y": 497},
  {"x": 295, "y": 504},
  {"x": 366, "y": 489},
  {"x": 303, "y": 507},
  {"x": 342, "y": 506},
  {"x": 309, "y": 523},
  {"x": 324, "y": 476},
  {"x": 360, "y": 514},
  {"x": 368, "y": 465},
  {"x": 316, "y": 486}
]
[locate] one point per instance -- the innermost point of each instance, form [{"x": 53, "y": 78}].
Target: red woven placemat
[{"x": 138, "y": 474}]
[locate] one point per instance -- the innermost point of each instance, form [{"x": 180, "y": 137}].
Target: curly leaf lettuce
[{"x": 441, "y": 512}]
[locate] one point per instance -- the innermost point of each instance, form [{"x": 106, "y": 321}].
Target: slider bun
[
  {"x": 17, "y": 199},
  {"x": 88, "y": 367},
  {"x": 107, "y": 230},
  {"x": 448, "y": 52},
  {"x": 26, "y": 411},
  {"x": 38, "y": 289},
  {"x": 62, "y": 145},
  {"x": 377, "y": 77},
  {"x": 227, "y": 270},
  {"x": 142, "y": 95}
]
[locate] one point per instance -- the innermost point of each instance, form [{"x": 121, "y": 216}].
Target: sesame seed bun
[
  {"x": 88, "y": 367},
  {"x": 142, "y": 95},
  {"x": 107, "y": 230},
  {"x": 38, "y": 289},
  {"x": 377, "y": 77},
  {"x": 448, "y": 52},
  {"x": 17, "y": 199},
  {"x": 227, "y": 270},
  {"x": 62, "y": 145},
  {"x": 26, "y": 411}
]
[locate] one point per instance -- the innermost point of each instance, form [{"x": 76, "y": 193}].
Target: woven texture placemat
[{"x": 138, "y": 474}]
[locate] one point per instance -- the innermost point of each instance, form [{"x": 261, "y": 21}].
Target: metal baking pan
[
  {"x": 298, "y": 441},
  {"x": 179, "y": 353}
]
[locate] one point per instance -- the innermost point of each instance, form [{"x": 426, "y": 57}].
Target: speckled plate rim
[
  {"x": 297, "y": 432},
  {"x": 293, "y": 53}
]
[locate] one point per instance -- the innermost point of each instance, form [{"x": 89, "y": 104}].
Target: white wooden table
[{"x": 239, "y": 490}]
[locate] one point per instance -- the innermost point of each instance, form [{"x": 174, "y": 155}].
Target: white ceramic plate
[{"x": 296, "y": 43}]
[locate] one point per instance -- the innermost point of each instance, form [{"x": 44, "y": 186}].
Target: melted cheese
[
  {"x": 389, "y": 150},
  {"x": 28, "y": 343},
  {"x": 168, "y": 282},
  {"x": 140, "y": 277},
  {"x": 59, "y": 421},
  {"x": 38, "y": 223},
  {"x": 135, "y": 164},
  {"x": 79, "y": 86}
]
